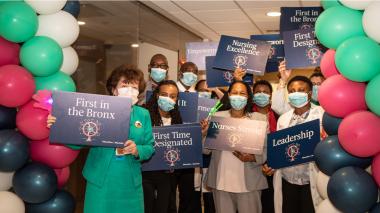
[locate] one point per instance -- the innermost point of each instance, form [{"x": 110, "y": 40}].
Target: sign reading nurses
[
  {"x": 90, "y": 120},
  {"x": 294, "y": 145}
]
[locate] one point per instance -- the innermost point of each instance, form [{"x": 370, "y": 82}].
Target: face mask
[
  {"x": 157, "y": 74},
  {"x": 261, "y": 99},
  {"x": 129, "y": 92},
  {"x": 238, "y": 102},
  {"x": 165, "y": 103},
  {"x": 314, "y": 95},
  {"x": 189, "y": 79},
  {"x": 298, "y": 99},
  {"x": 204, "y": 94}
]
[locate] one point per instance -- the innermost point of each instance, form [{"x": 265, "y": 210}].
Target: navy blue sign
[
  {"x": 204, "y": 107},
  {"x": 233, "y": 52},
  {"x": 90, "y": 120},
  {"x": 230, "y": 134},
  {"x": 276, "y": 53},
  {"x": 302, "y": 49},
  {"x": 188, "y": 105},
  {"x": 294, "y": 18},
  {"x": 196, "y": 52},
  {"x": 294, "y": 145},
  {"x": 221, "y": 78},
  {"x": 176, "y": 147}
]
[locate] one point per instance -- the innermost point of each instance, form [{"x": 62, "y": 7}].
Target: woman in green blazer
[{"x": 114, "y": 175}]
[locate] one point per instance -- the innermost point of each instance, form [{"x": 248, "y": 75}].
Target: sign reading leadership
[
  {"x": 90, "y": 120},
  {"x": 221, "y": 78},
  {"x": 196, "y": 52},
  {"x": 293, "y": 146},
  {"x": 276, "y": 53},
  {"x": 176, "y": 147},
  {"x": 302, "y": 49},
  {"x": 250, "y": 55},
  {"x": 294, "y": 18},
  {"x": 231, "y": 134}
]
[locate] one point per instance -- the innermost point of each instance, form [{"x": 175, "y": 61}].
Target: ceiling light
[
  {"x": 134, "y": 45},
  {"x": 81, "y": 22},
  {"x": 273, "y": 14}
]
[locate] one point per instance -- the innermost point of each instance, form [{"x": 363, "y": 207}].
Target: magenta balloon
[
  {"x": 16, "y": 86},
  {"x": 9, "y": 52},
  {"x": 54, "y": 155},
  {"x": 31, "y": 121},
  {"x": 375, "y": 168},
  {"x": 328, "y": 67},
  {"x": 63, "y": 176},
  {"x": 339, "y": 96},
  {"x": 359, "y": 134}
]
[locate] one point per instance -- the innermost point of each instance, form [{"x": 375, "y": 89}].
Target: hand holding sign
[
  {"x": 244, "y": 157},
  {"x": 239, "y": 74},
  {"x": 285, "y": 73},
  {"x": 130, "y": 148}
]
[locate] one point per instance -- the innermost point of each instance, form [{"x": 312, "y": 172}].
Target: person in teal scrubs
[{"x": 114, "y": 183}]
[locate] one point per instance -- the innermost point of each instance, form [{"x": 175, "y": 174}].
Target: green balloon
[
  {"x": 326, "y": 4},
  {"x": 18, "y": 21},
  {"x": 358, "y": 59},
  {"x": 372, "y": 95},
  {"x": 41, "y": 55},
  {"x": 56, "y": 82},
  {"x": 338, "y": 24}
]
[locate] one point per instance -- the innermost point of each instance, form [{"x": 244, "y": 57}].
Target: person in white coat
[{"x": 295, "y": 187}]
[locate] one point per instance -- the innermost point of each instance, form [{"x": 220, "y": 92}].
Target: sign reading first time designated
[{"x": 90, "y": 120}]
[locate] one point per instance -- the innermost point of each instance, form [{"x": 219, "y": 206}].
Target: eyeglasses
[{"x": 162, "y": 66}]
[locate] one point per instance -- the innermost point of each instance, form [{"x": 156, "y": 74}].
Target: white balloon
[
  {"x": 6, "y": 180},
  {"x": 46, "y": 7},
  {"x": 61, "y": 26},
  {"x": 70, "y": 60},
  {"x": 326, "y": 207},
  {"x": 356, "y": 4},
  {"x": 322, "y": 181},
  {"x": 11, "y": 203},
  {"x": 371, "y": 18}
]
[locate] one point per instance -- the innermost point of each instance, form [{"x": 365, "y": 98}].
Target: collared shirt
[
  {"x": 299, "y": 174},
  {"x": 182, "y": 88}
]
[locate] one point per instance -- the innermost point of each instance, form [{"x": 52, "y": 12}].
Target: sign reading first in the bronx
[{"x": 90, "y": 120}]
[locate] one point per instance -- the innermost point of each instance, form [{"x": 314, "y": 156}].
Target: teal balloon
[
  {"x": 372, "y": 95},
  {"x": 338, "y": 24},
  {"x": 358, "y": 59},
  {"x": 56, "y": 82},
  {"x": 326, "y": 4},
  {"x": 41, "y": 55},
  {"x": 18, "y": 21}
]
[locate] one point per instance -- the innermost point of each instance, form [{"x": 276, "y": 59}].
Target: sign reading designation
[
  {"x": 90, "y": 120},
  {"x": 250, "y": 55},
  {"x": 294, "y": 145},
  {"x": 176, "y": 147},
  {"x": 231, "y": 134}
]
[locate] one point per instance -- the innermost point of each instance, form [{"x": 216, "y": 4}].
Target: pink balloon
[
  {"x": 16, "y": 85},
  {"x": 31, "y": 121},
  {"x": 9, "y": 52},
  {"x": 339, "y": 96},
  {"x": 53, "y": 155},
  {"x": 63, "y": 176},
  {"x": 359, "y": 134},
  {"x": 328, "y": 67}
]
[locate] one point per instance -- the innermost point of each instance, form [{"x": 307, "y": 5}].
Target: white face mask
[{"x": 129, "y": 92}]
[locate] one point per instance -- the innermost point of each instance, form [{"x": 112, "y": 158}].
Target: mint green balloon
[
  {"x": 18, "y": 21},
  {"x": 358, "y": 59},
  {"x": 338, "y": 24},
  {"x": 56, "y": 82},
  {"x": 41, "y": 55},
  {"x": 326, "y": 4},
  {"x": 372, "y": 95}
]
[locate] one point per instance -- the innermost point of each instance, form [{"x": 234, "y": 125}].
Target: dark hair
[
  {"x": 188, "y": 64},
  {"x": 301, "y": 78},
  {"x": 152, "y": 106},
  {"x": 262, "y": 82},
  {"x": 130, "y": 73},
  {"x": 213, "y": 94},
  {"x": 317, "y": 74},
  {"x": 158, "y": 56},
  {"x": 226, "y": 101}
]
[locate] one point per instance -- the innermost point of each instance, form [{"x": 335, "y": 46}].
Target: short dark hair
[
  {"x": 158, "y": 56},
  {"x": 198, "y": 84},
  {"x": 130, "y": 73},
  {"x": 301, "y": 78},
  {"x": 262, "y": 82},
  {"x": 317, "y": 75},
  {"x": 188, "y": 64}
]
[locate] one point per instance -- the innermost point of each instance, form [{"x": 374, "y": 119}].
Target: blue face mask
[
  {"x": 157, "y": 74},
  {"x": 189, "y": 79},
  {"x": 165, "y": 103},
  {"x": 314, "y": 95},
  {"x": 261, "y": 99},
  {"x": 238, "y": 102},
  {"x": 204, "y": 94},
  {"x": 298, "y": 99}
]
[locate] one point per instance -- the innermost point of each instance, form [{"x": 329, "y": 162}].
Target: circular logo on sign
[
  {"x": 234, "y": 139},
  {"x": 171, "y": 156},
  {"x": 314, "y": 54},
  {"x": 90, "y": 128},
  {"x": 228, "y": 76},
  {"x": 292, "y": 151},
  {"x": 240, "y": 60}
]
